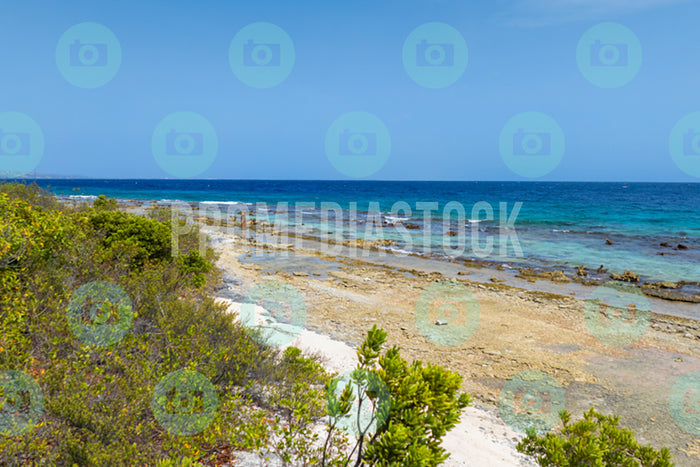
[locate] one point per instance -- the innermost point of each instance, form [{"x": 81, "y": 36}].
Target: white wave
[
  {"x": 398, "y": 250},
  {"x": 395, "y": 219},
  {"x": 225, "y": 203},
  {"x": 171, "y": 201}
]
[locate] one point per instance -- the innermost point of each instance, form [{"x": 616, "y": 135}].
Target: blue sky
[{"x": 348, "y": 58}]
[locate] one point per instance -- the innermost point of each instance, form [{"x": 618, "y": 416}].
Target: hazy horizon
[{"x": 39, "y": 177}]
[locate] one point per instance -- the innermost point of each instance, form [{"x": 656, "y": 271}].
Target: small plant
[
  {"x": 596, "y": 440},
  {"x": 196, "y": 266},
  {"x": 423, "y": 402},
  {"x": 102, "y": 203}
]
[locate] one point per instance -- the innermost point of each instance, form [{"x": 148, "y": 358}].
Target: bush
[
  {"x": 425, "y": 403},
  {"x": 130, "y": 238},
  {"x": 102, "y": 203},
  {"x": 596, "y": 440},
  {"x": 97, "y": 408}
]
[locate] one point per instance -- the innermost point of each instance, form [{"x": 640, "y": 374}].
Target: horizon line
[{"x": 59, "y": 177}]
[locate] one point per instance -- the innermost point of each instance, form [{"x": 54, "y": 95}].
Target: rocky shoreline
[
  {"x": 519, "y": 329},
  {"x": 681, "y": 291},
  {"x": 687, "y": 291}
]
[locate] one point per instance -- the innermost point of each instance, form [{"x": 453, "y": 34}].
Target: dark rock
[
  {"x": 665, "y": 245},
  {"x": 608, "y": 242},
  {"x": 682, "y": 247}
]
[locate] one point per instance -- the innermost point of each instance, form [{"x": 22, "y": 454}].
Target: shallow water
[{"x": 557, "y": 224}]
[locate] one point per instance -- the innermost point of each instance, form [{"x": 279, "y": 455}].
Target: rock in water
[
  {"x": 559, "y": 276},
  {"x": 627, "y": 276}
]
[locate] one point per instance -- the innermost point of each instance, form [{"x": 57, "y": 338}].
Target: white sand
[{"x": 480, "y": 439}]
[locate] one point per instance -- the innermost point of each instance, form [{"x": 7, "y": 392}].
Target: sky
[{"x": 513, "y": 90}]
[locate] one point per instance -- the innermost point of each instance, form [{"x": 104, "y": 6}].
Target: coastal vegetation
[
  {"x": 595, "y": 440},
  {"x": 98, "y": 404},
  {"x": 101, "y": 393}
]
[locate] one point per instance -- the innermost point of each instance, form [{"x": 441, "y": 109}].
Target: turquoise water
[{"x": 562, "y": 225}]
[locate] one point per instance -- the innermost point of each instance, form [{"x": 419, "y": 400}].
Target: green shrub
[
  {"x": 134, "y": 239},
  {"x": 596, "y": 440},
  {"x": 194, "y": 265},
  {"x": 102, "y": 203},
  {"x": 97, "y": 408},
  {"x": 30, "y": 193},
  {"x": 425, "y": 403}
]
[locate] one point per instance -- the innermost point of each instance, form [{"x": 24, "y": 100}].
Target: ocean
[{"x": 550, "y": 225}]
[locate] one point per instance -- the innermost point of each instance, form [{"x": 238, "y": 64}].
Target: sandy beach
[
  {"x": 480, "y": 439},
  {"x": 518, "y": 329}
]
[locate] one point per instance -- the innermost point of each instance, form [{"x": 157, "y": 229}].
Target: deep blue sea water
[{"x": 558, "y": 224}]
